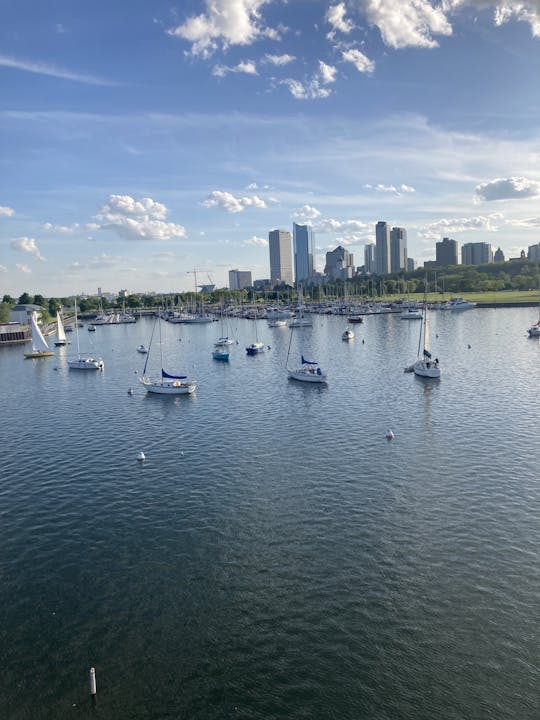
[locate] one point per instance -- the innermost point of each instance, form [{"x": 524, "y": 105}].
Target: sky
[{"x": 147, "y": 143}]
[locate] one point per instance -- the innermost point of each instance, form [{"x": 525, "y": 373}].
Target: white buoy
[
  {"x": 389, "y": 434},
  {"x": 130, "y": 391},
  {"x": 93, "y": 691},
  {"x": 141, "y": 456}
]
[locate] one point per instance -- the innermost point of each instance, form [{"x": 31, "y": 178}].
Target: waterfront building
[
  {"x": 498, "y": 256},
  {"x": 23, "y": 313},
  {"x": 339, "y": 264},
  {"x": 239, "y": 279},
  {"x": 382, "y": 248},
  {"x": 398, "y": 249},
  {"x": 303, "y": 252},
  {"x": 369, "y": 258},
  {"x": 446, "y": 252},
  {"x": 533, "y": 252},
  {"x": 478, "y": 253},
  {"x": 13, "y": 333},
  {"x": 279, "y": 246}
]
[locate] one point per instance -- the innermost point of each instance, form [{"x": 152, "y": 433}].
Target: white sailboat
[
  {"x": 165, "y": 384},
  {"x": 425, "y": 366},
  {"x": 39, "y": 344},
  {"x": 83, "y": 361},
  {"x": 308, "y": 370},
  {"x": 299, "y": 320},
  {"x": 60, "y": 332},
  {"x": 534, "y": 330}
]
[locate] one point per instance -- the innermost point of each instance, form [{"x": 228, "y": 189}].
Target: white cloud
[
  {"x": 525, "y": 223},
  {"x": 397, "y": 190},
  {"x": 6, "y": 211},
  {"x": 507, "y": 189},
  {"x": 279, "y": 60},
  {"x": 43, "y": 69},
  {"x": 227, "y": 201},
  {"x": 224, "y": 23},
  {"x": 307, "y": 213},
  {"x": 63, "y": 229},
  {"x": 407, "y": 23},
  {"x": 247, "y": 67},
  {"x": 313, "y": 89},
  {"x": 27, "y": 245},
  {"x": 23, "y": 268},
  {"x": 504, "y": 11},
  {"x": 350, "y": 227},
  {"x": 360, "y": 61},
  {"x": 138, "y": 219},
  {"x": 448, "y": 226},
  {"x": 3, "y": 268},
  {"x": 336, "y": 18},
  {"x": 258, "y": 241}
]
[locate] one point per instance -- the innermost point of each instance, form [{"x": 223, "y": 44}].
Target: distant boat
[
  {"x": 39, "y": 344},
  {"x": 355, "y": 318},
  {"x": 83, "y": 361},
  {"x": 458, "y": 303},
  {"x": 308, "y": 371},
  {"x": 411, "y": 314},
  {"x": 255, "y": 348},
  {"x": 277, "y": 322},
  {"x": 534, "y": 330},
  {"x": 142, "y": 349},
  {"x": 348, "y": 334},
  {"x": 300, "y": 320},
  {"x": 165, "y": 383},
  {"x": 60, "y": 332},
  {"x": 425, "y": 366},
  {"x": 221, "y": 352},
  {"x": 91, "y": 328}
]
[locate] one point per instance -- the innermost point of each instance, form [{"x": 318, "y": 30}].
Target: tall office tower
[
  {"x": 446, "y": 252},
  {"x": 398, "y": 249},
  {"x": 339, "y": 264},
  {"x": 303, "y": 252},
  {"x": 369, "y": 258},
  {"x": 533, "y": 252},
  {"x": 382, "y": 248},
  {"x": 411, "y": 264},
  {"x": 239, "y": 279},
  {"x": 279, "y": 245},
  {"x": 498, "y": 255},
  {"x": 476, "y": 253}
]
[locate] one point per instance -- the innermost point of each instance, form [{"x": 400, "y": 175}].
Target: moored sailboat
[
  {"x": 165, "y": 383},
  {"x": 83, "y": 361},
  {"x": 425, "y": 366}
]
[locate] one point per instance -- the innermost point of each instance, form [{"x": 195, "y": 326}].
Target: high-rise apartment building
[
  {"x": 279, "y": 245},
  {"x": 446, "y": 252},
  {"x": 303, "y": 252},
  {"x": 382, "y": 248},
  {"x": 478, "y": 253},
  {"x": 398, "y": 250},
  {"x": 369, "y": 258},
  {"x": 339, "y": 264},
  {"x": 533, "y": 252},
  {"x": 239, "y": 279}
]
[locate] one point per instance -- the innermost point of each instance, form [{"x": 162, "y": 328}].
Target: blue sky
[{"x": 139, "y": 142}]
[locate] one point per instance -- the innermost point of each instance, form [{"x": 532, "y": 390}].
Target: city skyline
[{"x": 137, "y": 146}]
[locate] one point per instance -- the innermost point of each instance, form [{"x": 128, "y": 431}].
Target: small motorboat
[
  {"x": 348, "y": 334},
  {"x": 142, "y": 349}
]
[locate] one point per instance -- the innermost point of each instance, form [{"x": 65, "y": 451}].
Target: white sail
[
  {"x": 39, "y": 344},
  {"x": 61, "y": 333}
]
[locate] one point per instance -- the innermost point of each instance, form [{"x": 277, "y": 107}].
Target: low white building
[{"x": 23, "y": 313}]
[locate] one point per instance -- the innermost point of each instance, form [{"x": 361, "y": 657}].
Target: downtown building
[
  {"x": 369, "y": 258},
  {"x": 279, "y": 246},
  {"x": 382, "y": 248},
  {"x": 446, "y": 252},
  {"x": 239, "y": 279},
  {"x": 398, "y": 250},
  {"x": 479, "y": 253},
  {"x": 339, "y": 264},
  {"x": 303, "y": 253}
]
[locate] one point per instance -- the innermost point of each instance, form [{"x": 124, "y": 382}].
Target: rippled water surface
[{"x": 275, "y": 556}]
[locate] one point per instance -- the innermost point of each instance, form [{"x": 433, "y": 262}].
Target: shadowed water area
[{"x": 274, "y": 556}]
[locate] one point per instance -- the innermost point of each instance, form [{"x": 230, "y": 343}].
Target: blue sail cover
[
  {"x": 308, "y": 362},
  {"x": 172, "y": 377}
]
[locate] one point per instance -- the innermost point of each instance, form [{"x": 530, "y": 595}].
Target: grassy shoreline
[{"x": 503, "y": 298}]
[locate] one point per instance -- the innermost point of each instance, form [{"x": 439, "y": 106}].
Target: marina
[{"x": 263, "y": 548}]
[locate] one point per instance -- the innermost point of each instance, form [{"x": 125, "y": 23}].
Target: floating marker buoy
[
  {"x": 469, "y": 347},
  {"x": 389, "y": 434},
  {"x": 141, "y": 456},
  {"x": 130, "y": 391}
]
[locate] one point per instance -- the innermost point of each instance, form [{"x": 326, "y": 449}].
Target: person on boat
[{"x": 319, "y": 371}]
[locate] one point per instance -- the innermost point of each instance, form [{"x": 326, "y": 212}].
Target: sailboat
[
  {"x": 308, "y": 371},
  {"x": 165, "y": 384},
  {"x": 83, "y": 361},
  {"x": 60, "y": 332},
  {"x": 534, "y": 330},
  {"x": 299, "y": 320},
  {"x": 425, "y": 366},
  {"x": 39, "y": 344},
  {"x": 256, "y": 347},
  {"x": 221, "y": 346}
]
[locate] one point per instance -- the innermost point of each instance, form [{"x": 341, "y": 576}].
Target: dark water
[{"x": 275, "y": 556}]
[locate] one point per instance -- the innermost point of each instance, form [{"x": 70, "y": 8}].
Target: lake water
[{"x": 275, "y": 556}]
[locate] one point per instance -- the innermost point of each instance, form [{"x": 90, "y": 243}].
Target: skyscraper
[
  {"x": 398, "y": 249},
  {"x": 369, "y": 258},
  {"x": 303, "y": 252},
  {"x": 239, "y": 279},
  {"x": 382, "y": 249},
  {"x": 446, "y": 252},
  {"x": 339, "y": 264},
  {"x": 279, "y": 245},
  {"x": 478, "y": 253}
]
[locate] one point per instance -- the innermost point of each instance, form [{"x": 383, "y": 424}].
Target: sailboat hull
[
  {"x": 39, "y": 354},
  {"x": 168, "y": 387},
  {"x": 421, "y": 368}
]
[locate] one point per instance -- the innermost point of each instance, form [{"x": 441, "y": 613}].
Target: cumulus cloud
[
  {"x": 27, "y": 245},
  {"x": 352, "y": 231},
  {"x": 63, "y": 229},
  {"x": 279, "y": 60},
  {"x": 23, "y": 268},
  {"x": 360, "y": 61},
  {"x": 313, "y": 88},
  {"x": 258, "y": 241},
  {"x": 307, "y": 212},
  {"x": 407, "y": 23},
  {"x": 448, "y": 226},
  {"x": 396, "y": 190},
  {"x": 224, "y": 23},
  {"x": 248, "y": 67},
  {"x": 6, "y": 211},
  {"x": 3, "y": 268},
  {"x": 507, "y": 189},
  {"x": 505, "y": 10},
  {"x": 137, "y": 219},
  {"x": 525, "y": 223},
  {"x": 336, "y": 18},
  {"x": 228, "y": 202}
]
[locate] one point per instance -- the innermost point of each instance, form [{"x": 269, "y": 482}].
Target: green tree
[
  {"x": 9, "y": 300},
  {"x": 26, "y": 299},
  {"x": 40, "y": 300},
  {"x": 4, "y": 311}
]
